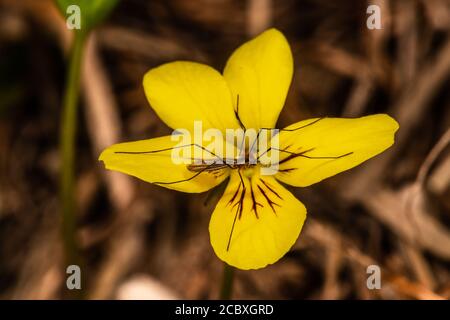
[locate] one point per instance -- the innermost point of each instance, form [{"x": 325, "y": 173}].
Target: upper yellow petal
[
  {"x": 320, "y": 148},
  {"x": 183, "y": 92},
  {"x": 253, "y": 227},
  {"x": 260, "y": 72},
  {"x": 152, "y": 161}
]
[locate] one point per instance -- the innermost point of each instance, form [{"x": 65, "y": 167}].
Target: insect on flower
[{"x": 257, "y": 220}]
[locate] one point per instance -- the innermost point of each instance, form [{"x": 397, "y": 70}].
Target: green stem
[
  {"x": 227, "y": 282},
  {"x": 68, "y": 132}
]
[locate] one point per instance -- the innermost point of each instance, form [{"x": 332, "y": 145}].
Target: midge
[
  {"x": 238, "y": 149},
  {"x": 244, "y": 149}
]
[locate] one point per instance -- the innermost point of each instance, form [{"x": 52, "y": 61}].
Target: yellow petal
[
  {"x": 322, "y": 147},
  {"x": 183, "y": 92},
  {"x": 260, "y": 72},
  {"x": 252, "y": 229},
  {"x": 145, "y": 160}
]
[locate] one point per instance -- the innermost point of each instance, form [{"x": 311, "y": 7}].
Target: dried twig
[{"x": 259, "y": 16}]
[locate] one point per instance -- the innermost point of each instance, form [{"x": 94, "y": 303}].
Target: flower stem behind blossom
[
  {"x": 227, "y": 282},
  {"x": 67, "y": 145}
]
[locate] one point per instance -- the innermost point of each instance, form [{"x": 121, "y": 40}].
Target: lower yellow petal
[
  {"x": 152, "y": 161},
  {"x": 255, "y": 226},
  {"x": 319, "y": 148}
]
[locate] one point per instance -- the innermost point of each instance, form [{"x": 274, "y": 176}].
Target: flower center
[{"x": 249, "y": 171}]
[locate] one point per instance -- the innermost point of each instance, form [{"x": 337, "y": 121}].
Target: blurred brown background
[{"x": 142, "y": 241}]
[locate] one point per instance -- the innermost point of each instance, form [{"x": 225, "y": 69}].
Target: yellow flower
[{"x": 257, "y": 220}]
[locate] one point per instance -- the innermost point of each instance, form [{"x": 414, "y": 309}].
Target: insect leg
[
  {"x": 301, "y": 127},
  {"x": 188, "y": 179},
  {"x": 293, "y": 155},
  {"x": 172, "y": 148}
]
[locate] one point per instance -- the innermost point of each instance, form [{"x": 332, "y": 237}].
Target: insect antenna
[
  {"x": 236, "y": 113},
  {"x": 255, "y": 143}
]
